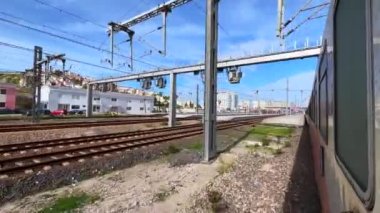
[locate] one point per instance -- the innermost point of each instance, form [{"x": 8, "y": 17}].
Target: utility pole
[
  {"x": 197, "y": 100},
  {"x": 280, "y": 20},
  {"x": 164, "y": 23},
  {"x": 89, "y": 108},
  {"x": 173, "y": 100},
  {"x": 37, "y": 68},
  {"x": 210, "y": 79},
  {"x": 287, "y": 96}
]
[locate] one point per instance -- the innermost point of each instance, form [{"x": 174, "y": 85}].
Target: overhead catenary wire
[
  {"x": 69, "y": 13},
  {"x": 316, "y": 6},
  {"x": 73, "y": 41},
  {"x": 68, "y": 59},
  {"x": 204, "y": 11},
  {"x": 77, "y": 16},
  {"x": 93, "y": 22},
  {"x": 297, "y": 14},
  {"x": 47, "y": 27},
  {"x": 311, "y": 17}
]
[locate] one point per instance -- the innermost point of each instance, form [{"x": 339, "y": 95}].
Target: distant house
[
  {"x": 8, "y": 94},
  {"x": 68, "y": 98}
]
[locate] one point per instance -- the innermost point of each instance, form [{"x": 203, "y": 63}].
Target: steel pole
[
  {"x": 287, "y": 96},
  {"x": 36, "y": 83},
  {"x": 164, "y": 20},
  {"x": 130, "y": 35},
  {"x": 210, "y": 80},
  {"x": 112, "y": 43},
  {"x": 89, "y": 100},
  {"x": 173, "y": 100},
  {"x": 280, "y": 18},
  {"x": 197, "y": 100}
]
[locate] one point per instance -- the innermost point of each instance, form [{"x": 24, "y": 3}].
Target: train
[{"x": 343, "y": 115}]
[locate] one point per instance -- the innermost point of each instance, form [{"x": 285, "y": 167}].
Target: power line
[
  {"x": 135, "y": 9},
  {"x": 297, "y": 13},
  {"x": 142, "y": 41},
  {"x": 204, "y": 11},
  {"x": 73, "y": 41},
  {"x": 46, "y": 26},
  {"x": 69, "y": 59},
  {"x": 311, "y": 17},
  {"x": 69, "y": 13},
  {"x": 90, "y": 21}
]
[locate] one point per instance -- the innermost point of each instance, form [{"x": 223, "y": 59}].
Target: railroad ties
[{"x": 31, "y": 157}]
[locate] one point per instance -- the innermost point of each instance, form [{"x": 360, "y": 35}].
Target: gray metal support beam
[
  {"x": 89, "y": 100},
  {"x": 173, "y": 100},
  {"x": 210, "y": 80},
  {"x": 164, "y": 23},
  {"x": 197, "y": 100},
  {"x": 287, "y": 97},
  {"x": 37, "y": 68},
  {"x": 245, "y": 61}
]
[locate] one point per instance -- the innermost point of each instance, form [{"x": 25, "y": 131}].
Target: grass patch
[
  {"x": 277, "y": 131},
  {"x": 70, "y": 203},
  {"x": 172, "y": 150},
  {"x": 224, "y": 166},
  {"x": 198, "y": 146}
]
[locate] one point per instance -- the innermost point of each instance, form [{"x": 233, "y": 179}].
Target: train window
[
  {"x": 351, "y": 112},
  {"x": 323, "y": 107}
]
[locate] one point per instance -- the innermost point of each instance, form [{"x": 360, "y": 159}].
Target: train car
[{"x": 344, "y": 110}]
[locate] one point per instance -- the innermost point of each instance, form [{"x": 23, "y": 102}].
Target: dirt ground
[
  {"x": 249, "y": 183},
  {"x": 134, "y": 189}
]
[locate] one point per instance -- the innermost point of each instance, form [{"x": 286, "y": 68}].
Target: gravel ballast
[{"x": 264, "y": 184}]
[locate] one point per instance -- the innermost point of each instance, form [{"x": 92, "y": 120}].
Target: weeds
[
  {"x": 198, "y": 146},
  {"x": 214, "y": 196},
  {"x": 172, "y": 150},
  {"x": 272, "y": 130},
  {"x": 70, "y": 203},
  {"x": 276, "y": 151},
  {"x": 162, "y": 194},
  {"x": 224, "y": 166},
  {"x": 265, "y": 142}
]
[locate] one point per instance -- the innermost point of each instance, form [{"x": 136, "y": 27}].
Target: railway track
[
  {"x": 46, "y": 126},
  {"x": 30, "y": 156}
]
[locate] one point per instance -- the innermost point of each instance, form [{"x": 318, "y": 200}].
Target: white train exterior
[{"x": 53, "y": 98}]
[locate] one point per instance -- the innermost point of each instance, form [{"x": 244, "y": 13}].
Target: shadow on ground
[{"x": 302, "y": 194}]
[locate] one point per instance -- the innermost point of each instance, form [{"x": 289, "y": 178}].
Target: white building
[
  {"x": 246, "y": 105},
  {"x": 227, "y": 101},
  {"x": 269, "y": 104},
  {"x": 68, "y": 98}
]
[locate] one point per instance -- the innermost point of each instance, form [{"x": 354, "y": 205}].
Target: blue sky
[{"x": 247, "y": 27}]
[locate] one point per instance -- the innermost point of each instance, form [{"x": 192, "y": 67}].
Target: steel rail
[
  {"x": 29, "y": 127},
  {"x": 33, "y": 161}
]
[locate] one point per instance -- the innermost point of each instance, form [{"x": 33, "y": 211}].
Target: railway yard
[{"x": 102, "y": 153}]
